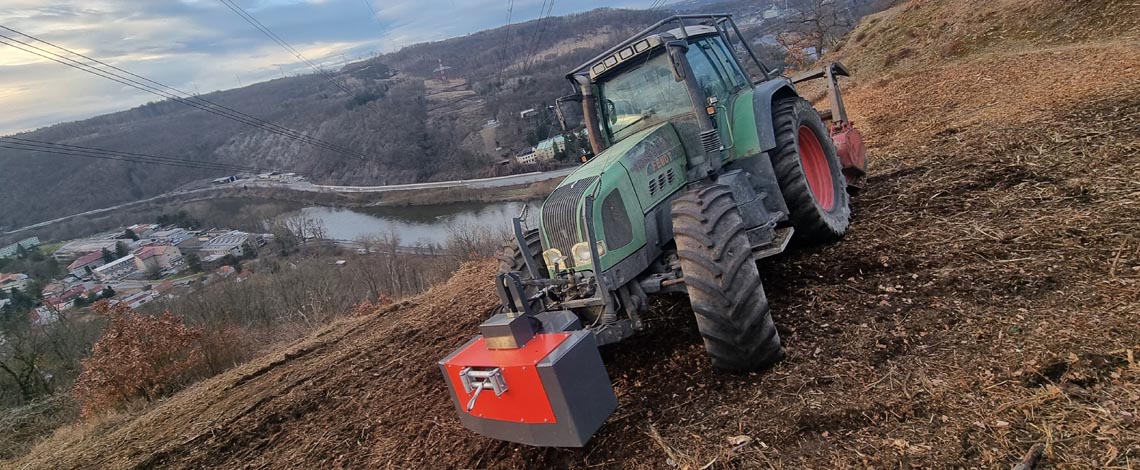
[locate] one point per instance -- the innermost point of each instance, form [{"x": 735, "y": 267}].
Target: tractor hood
[{"x": 644, "y": 169}]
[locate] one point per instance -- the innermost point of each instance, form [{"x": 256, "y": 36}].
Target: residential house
[
  {"x": 117, "y": 270},
  {"x": 157, "y": 258},
  {"x": 14, "y": 249},
  {"x": 230, "y": 243},
  {"x": 84, "y": 265},
  {"x": 14, "y": 281}
]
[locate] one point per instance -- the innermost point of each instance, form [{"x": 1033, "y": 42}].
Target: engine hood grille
[{"x": 561, "y": 213}]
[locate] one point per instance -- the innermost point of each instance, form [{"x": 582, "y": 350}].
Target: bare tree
[{"x": 821, "y": 22}]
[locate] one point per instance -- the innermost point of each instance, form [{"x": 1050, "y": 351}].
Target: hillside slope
[{"x": 984, "y": 300}]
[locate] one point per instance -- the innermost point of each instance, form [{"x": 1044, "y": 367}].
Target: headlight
[
  {"x": 581, "y": 252},
  {"x": 554, "y": 259}
]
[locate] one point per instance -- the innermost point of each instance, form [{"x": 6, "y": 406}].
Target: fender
[{"x": 765, "y": 93}]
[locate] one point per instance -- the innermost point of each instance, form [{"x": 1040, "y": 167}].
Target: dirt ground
[{"x": 986, "y": 299}]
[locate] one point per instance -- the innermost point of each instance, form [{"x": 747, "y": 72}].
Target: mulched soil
[{"x": 985, "y": 300}]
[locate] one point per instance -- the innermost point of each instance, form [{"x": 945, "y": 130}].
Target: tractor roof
[{"x": 639, "y": 44}]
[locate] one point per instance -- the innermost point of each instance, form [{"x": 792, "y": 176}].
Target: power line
[
  {"x": 368, "y": 4},
  {"x": 281, "y": 42},
  {"x": 506, "y": 50},
  {"x": 108, "y": 156},
  {"x": 539, "y": 29},
  {"x": 160, "y": 89},
  {"x": 133, "y": 155},
  {"x": 186, "y": 98}
]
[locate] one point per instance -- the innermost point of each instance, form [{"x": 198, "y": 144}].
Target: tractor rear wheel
[
  {"x": 723, "y": 281},
  {"x": 511, "y": 258},
  {"x": 809, "y": 172}
]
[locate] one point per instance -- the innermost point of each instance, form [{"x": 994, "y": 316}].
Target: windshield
[{"x": 642, "y": 96}]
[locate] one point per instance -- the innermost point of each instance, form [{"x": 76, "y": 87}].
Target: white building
[
  {"x": 232, "y": 243},
  {"x": 117, "y": 270}
]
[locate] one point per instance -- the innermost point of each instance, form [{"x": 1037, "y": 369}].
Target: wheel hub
[{"x": 816, "y": 169}]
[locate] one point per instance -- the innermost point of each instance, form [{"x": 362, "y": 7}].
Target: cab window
[
  {"x": 727, "y": 61},
  {"x": 708, "y": 72}
]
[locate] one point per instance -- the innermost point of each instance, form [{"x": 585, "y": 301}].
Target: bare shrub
[
  {"x": 138, "y": 356},
  {"x": 466, "y": 241}
]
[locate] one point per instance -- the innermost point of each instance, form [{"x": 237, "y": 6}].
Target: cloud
[{"x": 201, "y": 44}]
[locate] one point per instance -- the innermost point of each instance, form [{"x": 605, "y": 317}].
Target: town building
[
  {"x": 14, "y": 249},
  {"x": 153, "y": 258},
  {"x": 230, "y": 243},
  {"x": 171, "y": 237},
  {"x": 116, "y": 270},
  {"x": 143, "y": 230},
  {"x": 547, "y": 150},
  {"x": 137, "y": 299},
  {"x": 526, "y": 156},
  {"x": 84, "y": 265},
  {"x": 77, "y": 248},
  {"x": 14, "y": 281}
]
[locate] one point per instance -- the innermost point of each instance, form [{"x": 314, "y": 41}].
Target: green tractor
[{"x": 700, "y": 171}]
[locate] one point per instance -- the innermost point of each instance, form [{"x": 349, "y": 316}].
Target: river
[{"x": 417, "y": 225}]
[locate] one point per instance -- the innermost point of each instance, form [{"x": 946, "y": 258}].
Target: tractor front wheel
[
  {"x": 809, "y": 172},
  {"x": 511, "y": 257},
  {"x": 723, "y": 281}
]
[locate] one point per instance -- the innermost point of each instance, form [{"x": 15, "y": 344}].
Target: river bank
[{"x": 241, "y": 206}]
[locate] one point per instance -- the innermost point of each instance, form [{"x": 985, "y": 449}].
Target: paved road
[{"x": 497, "y": 182}]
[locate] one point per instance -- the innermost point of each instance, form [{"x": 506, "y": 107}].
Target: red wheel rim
[{"x": 816, "y": 170}]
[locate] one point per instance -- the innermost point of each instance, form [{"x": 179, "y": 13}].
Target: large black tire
[
  {"x": 809, "y": 172},
  {"x": 723, "y": 281},
  {"x": 511, "y": 258}
]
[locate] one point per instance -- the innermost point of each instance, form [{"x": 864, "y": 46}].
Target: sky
[{"x": 202, "y": 46}]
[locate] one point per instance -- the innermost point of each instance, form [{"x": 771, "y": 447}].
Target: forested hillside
[{"x": 386, "y": 119}]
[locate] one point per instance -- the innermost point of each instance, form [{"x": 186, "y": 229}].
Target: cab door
[{"x": 719, "y": 75}]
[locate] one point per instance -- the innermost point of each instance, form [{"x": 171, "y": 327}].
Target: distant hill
[{"x": 408, "y": 130}]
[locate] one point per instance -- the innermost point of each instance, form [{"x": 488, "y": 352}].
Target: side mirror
[
  {"x": 573, "y": 98},
  {"x": 677, "y": 50},
  {"x": 611, "y": 111}
]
